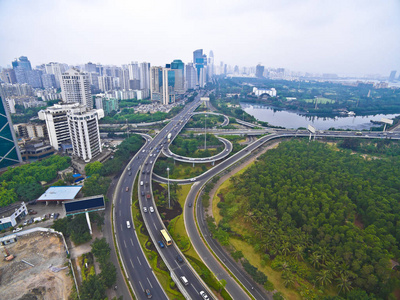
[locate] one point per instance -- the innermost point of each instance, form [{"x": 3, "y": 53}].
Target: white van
[
  {"x": 141, "y": 183},
  {"x": 184, "y": 280},
  {"x": 128, "y": 224}
]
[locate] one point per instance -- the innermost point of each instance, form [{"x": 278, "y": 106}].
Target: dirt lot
[{"x": 19, "y": 280}]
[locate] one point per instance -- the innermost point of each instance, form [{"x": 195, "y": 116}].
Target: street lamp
[
  {"x": 205, "y": 133},
  {"x": 169, "y": 197}
]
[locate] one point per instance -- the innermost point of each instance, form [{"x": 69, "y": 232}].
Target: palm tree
[
  {"x": 288, "y": 279},
  {"x": 298, "y": 252},
  {"x": 315, "y": 259},
  {"x": 344, "y": 284},
  {"x": 324, "y": 277}
]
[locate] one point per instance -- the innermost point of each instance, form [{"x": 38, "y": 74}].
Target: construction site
[{"x": 35, "y": 267}]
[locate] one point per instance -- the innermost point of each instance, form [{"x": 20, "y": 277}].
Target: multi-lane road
[{"x": 141, "y": 276}]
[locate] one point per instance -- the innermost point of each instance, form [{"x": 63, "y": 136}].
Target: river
[{"x": 290, "y": 119}]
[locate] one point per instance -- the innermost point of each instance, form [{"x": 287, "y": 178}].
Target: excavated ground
[{"x": 21, "y": 281}]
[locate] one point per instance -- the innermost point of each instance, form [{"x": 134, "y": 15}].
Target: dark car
[
  {"x": 142, "y": 193},
  {"x": 179, "y": 259},
  {"x": 190, "y": 204},
  {"x": 148, "y": 294},
  {"x": 161, "y": 244}
]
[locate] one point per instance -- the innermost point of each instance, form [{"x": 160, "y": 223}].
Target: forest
[
  {"x": 321, "y": 215},
  {"x": 194, "y": 146}
]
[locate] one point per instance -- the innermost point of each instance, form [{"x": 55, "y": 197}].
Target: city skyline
[{"x": 355, "y": 38}]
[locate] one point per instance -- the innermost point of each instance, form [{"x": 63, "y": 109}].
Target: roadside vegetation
[
  {"x": 193, "y": 146},
  {"x": 327, "y": 220},
  {"x": 23, "y": 183}
]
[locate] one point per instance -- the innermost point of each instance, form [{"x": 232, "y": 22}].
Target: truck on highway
[{"x": 169, "y": 137}]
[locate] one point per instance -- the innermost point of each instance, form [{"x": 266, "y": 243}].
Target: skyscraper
[
  {"x": 75, "y": 88},
  {"x": 200, "y": 63},
  {"x": 49, "y": 81},
  {"x": 392, "y": 76},
  {"x": 156, "y": 83},
  {"x": 9, "y": 150},
  {"x": 179, "y": 68},
  {"x": 259, "y": 71},
  {"x": 190, "y": 76},
  {"x": 145, "y": 76},
  {"x": 210, "y": 66},
  {"x": 162, "y": 84}
]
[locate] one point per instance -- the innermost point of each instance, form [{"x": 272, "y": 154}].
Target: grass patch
[
  {"x": 163, "y": 276},
  {"x": 273, "y": 276}
]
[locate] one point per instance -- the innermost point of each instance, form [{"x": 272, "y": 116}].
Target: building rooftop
[{"x": 60, "y": 193}]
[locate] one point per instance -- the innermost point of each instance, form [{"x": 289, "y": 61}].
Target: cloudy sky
[{"x": 352, "y": 37}]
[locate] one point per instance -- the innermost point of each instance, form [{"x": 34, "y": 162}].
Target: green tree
[{"x": 93, "y": 168}]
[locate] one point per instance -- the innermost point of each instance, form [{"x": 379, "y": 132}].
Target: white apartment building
[
  {"x": 57, "y": 69},
  {"x": 57, "y": 123},
  {"x": 84, "y": 131},
  {"x": 75, "y": 88}
]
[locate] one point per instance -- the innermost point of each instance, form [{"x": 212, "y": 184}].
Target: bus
[{"x": 166, "y": 238}]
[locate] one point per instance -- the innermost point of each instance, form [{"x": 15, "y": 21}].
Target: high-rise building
[
  {"x": 57, "y": 69},
  {"x": 9, "y": 150},
  {"x": 179, "y": 68},
  {"x": 156, "y": 83},
  {"x": 84, "y": 131},
  {"x": 134, "y": 71},
  {"x": 145, "y": 76},
  {"x": 34, "y": 78},
  {"x": 108, "y": 105},
  {"x": 90, "y": 68},
  {"x": 106, "y": 83},
  {"x": 75, "y": 88},
  {"x": 259, "y": 71},
  {"x": 57, "y": 124},
  {"x": 22, "y": 62},
  {"x": 190, "y": 76},
  {"x": 49, "y": 81},
  {"x": 210, "y": 65},
  {"x": 8, "y": 76},
  {"x": 200, "y": 63},
  {"x": 392, "y": 76}
]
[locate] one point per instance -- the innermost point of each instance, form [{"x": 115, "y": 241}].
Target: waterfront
[{"x": 290, "y": 119}]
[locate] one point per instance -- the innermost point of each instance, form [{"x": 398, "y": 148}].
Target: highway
[{"x": 145, "y": 162}]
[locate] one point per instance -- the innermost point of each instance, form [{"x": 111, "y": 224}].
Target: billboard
[{"x": 88, "y": 204}]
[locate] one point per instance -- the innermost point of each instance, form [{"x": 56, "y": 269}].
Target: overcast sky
[{"x": 352, "y": 37}]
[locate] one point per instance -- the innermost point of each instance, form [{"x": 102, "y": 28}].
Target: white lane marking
[
  {"x": 141, "y": 286},
  {"x": 131, "y": 242},
  {"x": 149, "y": 282},
  {"x": 138, "y": 260},
  {"x": 194, "y": 288},
  {"x": 155, "y": 227},
  {"x": 125, "y": 244},
  {"x": 131, "y": 263},
  {"x": 119, "y": 213}
]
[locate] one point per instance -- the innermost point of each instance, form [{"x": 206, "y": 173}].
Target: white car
[
  {"x": 204, "y": 295},
  {"x": 145, "y": 209},
  {"x": 151, "y": 209},
  {"x": 193, "y": 179}
]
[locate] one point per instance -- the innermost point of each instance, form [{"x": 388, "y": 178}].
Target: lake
[{"x": 290, "y": 119}]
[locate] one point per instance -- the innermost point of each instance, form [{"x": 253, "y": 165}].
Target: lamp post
[
  {"x": 205, "y": 133},
  {"x": 169, "y": 197}
]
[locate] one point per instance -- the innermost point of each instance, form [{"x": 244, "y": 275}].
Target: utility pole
[
  {"x": 127, "y": 128},
  {"x": 205, "y": 133},
  {"x": 169, "y": 196}
]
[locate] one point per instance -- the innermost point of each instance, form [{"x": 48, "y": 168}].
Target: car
[
  {"x": 17, "y": 229},
  {"x": 142, "y": 193},
  {"x": 151, "y": 162},
  {"x": 127, "y": 189},
  {"x": 145, "y": 209},
  {"x": 151, "y": 148},
  {"x": 226, "y": 150},
  {"x": 149, "y": 295},
  {"x": 161, "y": 244},
  {"x": 143, "y": 150},
  {"x": 129, "y": 168},
  {"x": 190, "y": 204},
  {"x": 193, "y": 179},
  {"x": 179, "y": 259},
  {"x": 151, "y": 154},
  {"x": 128, "y": 224},
  {"x": 148, "y": 171},
  {"x": 151, "y": 209},
  {"x": 143, "y": 172},
  {"x": 130, "y": 173},
  {"x": 56, "y": 215},
  {"x": 146, "y": 163},
  {"x": 204, "y": 295}
]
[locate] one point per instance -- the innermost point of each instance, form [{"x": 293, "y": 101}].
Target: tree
[
  {"x": 324, "y": 277},
  {"x": 344, "y": 284},
  {"x": 92, "y": 288},
  {"x": 221, "y": 284},
  {"x": 93, "y": 168}
]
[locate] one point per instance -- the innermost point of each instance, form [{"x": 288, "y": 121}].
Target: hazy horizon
[{"x": 343, "y": 37}]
